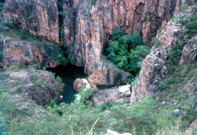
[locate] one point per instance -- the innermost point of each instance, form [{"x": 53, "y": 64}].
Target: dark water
[{"x": 68, "y": 74}]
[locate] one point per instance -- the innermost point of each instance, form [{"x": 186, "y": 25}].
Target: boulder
[
  {"x": 78, "y": 84},
  {"x": 81, "y": 82},
  {"x": 119, "y": 94}
]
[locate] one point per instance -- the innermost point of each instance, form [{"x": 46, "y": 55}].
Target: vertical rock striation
[
  {"x": 154, "y": 69},
  {"x": 39, "y": 17},
  {"x": 87, "y": 25},
  {"x": 95, "y": 23}
]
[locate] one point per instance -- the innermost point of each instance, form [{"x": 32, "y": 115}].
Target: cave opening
[{"x": 69, "y": 74}]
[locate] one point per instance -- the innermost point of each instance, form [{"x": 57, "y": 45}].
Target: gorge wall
[
  {"x": 155, "y": 68},
  {"x": 87, "y": 25},
  {"x": 23, "y": 53}
]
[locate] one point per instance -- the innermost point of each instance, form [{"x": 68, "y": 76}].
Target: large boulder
[
  {"x": 38, "y": 85},
  {"x": 118, "y": 94},
  {"x": 80, "y": 83}
]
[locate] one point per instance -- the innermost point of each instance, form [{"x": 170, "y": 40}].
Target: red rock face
[
  {"x": 95, "y": 24},
  {"x": 154, "y": 69},
  {"x": 38, "y": 17},
  {"x": 86, "y": 27},
  {"x": 23, "y": 53}
]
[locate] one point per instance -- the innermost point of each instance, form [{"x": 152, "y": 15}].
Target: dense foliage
[
  {"x": 152, "y": 116},
  {"x": 127, "y": 51},
  {"x": 62, "y": 60},
  {"x": 1, "y": 4}
]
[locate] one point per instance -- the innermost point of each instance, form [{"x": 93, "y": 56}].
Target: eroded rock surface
[
  {"x": 24, "y": 53},
  {"x": 85, "y": 27},
  {"x": 154, "y": 69},
  {"x": 190, "y": 51},
  {"x": 96, "y": 22},
  {"x": 38, "y": 85},
  {"x": 39, "y": 17},
  {"x": 119, "y": 94}
]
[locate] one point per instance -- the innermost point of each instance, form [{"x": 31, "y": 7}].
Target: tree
[
  {"x": 117, "y": 33},
  {"x": 127, "y": 51}
]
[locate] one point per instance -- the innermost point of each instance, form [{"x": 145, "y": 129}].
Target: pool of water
[{"x": 68, "y": 74}]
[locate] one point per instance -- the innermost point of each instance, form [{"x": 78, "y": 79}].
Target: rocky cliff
[
  {"x": 23, "y": 53},
  {"x": 155, "y": 67},
  {"x": 38, "y": 85},
  {"x": 39, "y": 17},
  {"x": 85, "y": 26}
]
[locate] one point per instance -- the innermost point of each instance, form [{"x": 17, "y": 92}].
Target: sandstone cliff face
[
  {"x": 85, "y": 27},
  {"x": 95, "y": 24},
  {"x": 154, "y": 69},
  {"x": 24, "y": 53},
  {"x": 39, "y": 17}
]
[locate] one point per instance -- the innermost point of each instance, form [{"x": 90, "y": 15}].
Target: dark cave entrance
[{"x": 68, "y": 74}]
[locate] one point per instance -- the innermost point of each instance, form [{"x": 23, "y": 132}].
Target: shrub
[
  {"x": 163, "y": 86},
  {"x": 127, "y": 51},
  {"x": 62, "y": 60},
  {"x": 13, "y": 23},
  {"x": 184, "y": 6},
  {"x": 12, "y": 68},
  {"x": 175, "y": 54},
  {"x": 59, "y": 79},
  {"x": 117, "y": 33},
  {"x": 61, "y": 13},
  {"x": 93, "y": 2},
  {"x": 38, "y": 82},
  {"x": 23, "y": 35}
]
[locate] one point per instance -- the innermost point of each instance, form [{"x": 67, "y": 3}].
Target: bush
[
  {"x": 38, "y": 82},
  {"x": 61, "y": 13},
  {"x": 117, "y": 33},
  {"x": 93, "y": 2},
  {"x": 13, "y": 23},
  {"x": 23, "y": 35},
  {"x": 1, "y": 4},
  {"x": 184, "y": 6},
  {"x": 127, "y": 51},
  {"x": 62, "y": 60},
  {"x": 12, "y": 68},
  {"x": 59, "y": 79}
]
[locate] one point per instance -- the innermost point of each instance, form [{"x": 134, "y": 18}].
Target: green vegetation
[
  {"x": 59, "y": 79},
  {"x": 23, "y": 35},
  {"x": 13, "y": 68},
  {"x": 190, "y": 22},
  {"x": 1, "y": 4},
  {"x": 61, "y": 13},
  {"x": 184, "y": 6},
  {"x": 127, "y": 51},
  {"x": 93, "y": 2},
  {"x": 62, "y": 60},
  {"x": 152, "y": 116}
]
